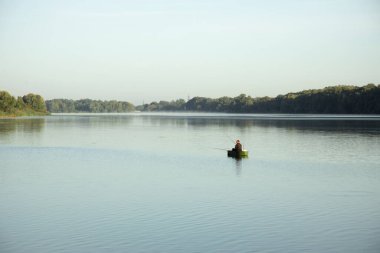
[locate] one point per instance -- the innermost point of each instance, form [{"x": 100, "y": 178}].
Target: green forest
[
  {"x": 28, "y": 105},
  {"x": 342, "y": 99},
  {"x": 88, "y": 105}
]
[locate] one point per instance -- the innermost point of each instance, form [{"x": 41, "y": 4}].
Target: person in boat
[{"x": 238, "y": 146}]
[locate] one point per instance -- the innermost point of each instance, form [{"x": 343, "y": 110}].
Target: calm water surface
[{"x": 163, "y": 183}]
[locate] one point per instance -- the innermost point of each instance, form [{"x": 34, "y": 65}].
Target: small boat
[{"x": 237, "y": 154}]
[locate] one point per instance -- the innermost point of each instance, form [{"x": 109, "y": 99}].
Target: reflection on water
[
  {"x": 25, "y": 125},
  {"x": 312, "y": 123},
  {"x": 308, "y": 122},
  {"x": 239, "y": 166},
  {"x": 89, "y": 120}
]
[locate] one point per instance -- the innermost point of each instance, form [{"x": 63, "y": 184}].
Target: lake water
[{"x": 163, "y": 183}]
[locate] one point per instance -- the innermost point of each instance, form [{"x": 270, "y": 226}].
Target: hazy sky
[{"x": 145, "y": 50}]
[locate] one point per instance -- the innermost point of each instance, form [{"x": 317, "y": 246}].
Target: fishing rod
[{"x": 220, "y": 149}]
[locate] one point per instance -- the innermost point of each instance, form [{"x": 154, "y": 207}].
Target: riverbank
[{"x": 22, "y": 113}]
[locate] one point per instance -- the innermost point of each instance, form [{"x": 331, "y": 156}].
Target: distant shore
[
  {"x": 340, "y": 100},
  {"x": 22, "y": 114}
]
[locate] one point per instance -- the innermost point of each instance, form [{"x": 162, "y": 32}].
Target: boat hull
[{"x": 237, "y": 154}]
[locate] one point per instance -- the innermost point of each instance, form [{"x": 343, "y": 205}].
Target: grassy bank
[{"x": 22, "y": 113}]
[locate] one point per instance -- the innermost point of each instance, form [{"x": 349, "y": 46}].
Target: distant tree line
[
  {"x": 88, "y": 105},
  {"x": 28, "y": 105},
  {"x": 175, "y": 105},
  {"x": 342, "y": 99}
]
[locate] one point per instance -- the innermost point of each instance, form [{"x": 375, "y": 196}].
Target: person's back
[{"x": 238, "y": 146}]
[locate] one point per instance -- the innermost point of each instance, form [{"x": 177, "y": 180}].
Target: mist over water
[{"x": 164, "y": 183}]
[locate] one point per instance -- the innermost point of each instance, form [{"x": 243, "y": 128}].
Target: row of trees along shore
[
  {"x": 28, "y": 105},
  {"x": 342, "y": 99},
  {"x": 88, "y": 105}
]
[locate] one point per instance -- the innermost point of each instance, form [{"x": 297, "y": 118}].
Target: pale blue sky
[{"x": 167, "y": 49}]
